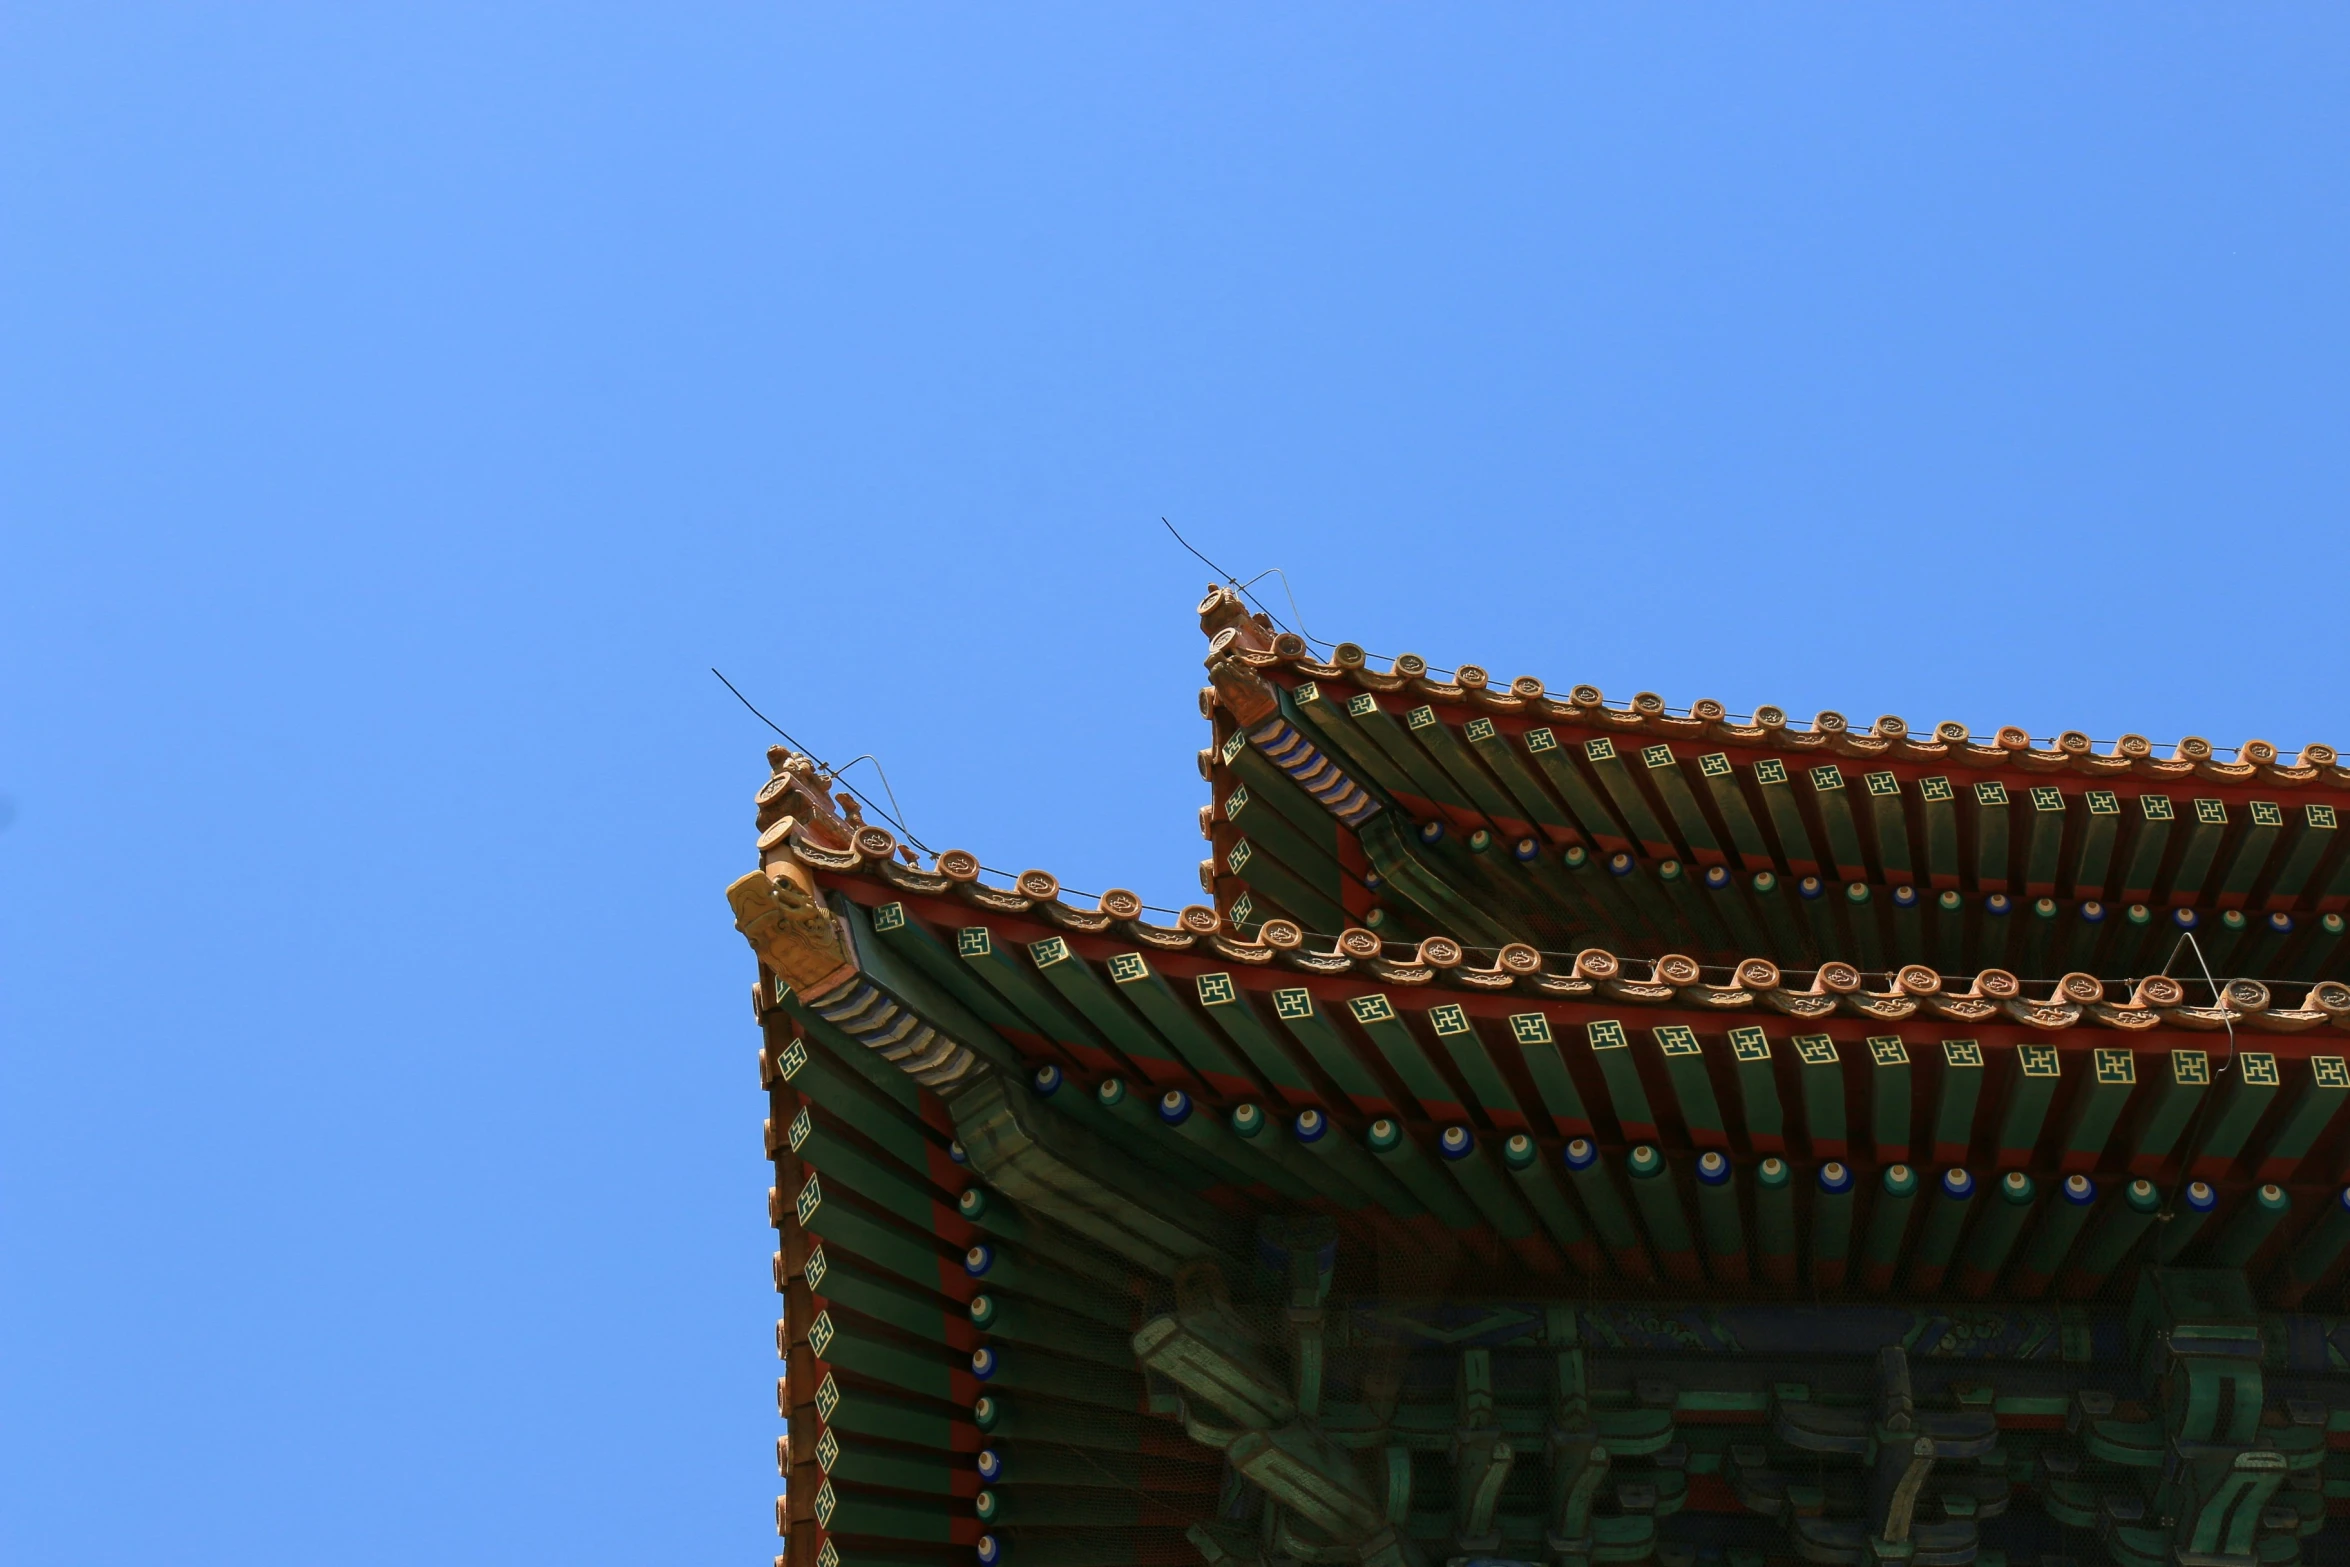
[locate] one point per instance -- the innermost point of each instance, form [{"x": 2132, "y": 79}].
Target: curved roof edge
[
  {"x": 1834, "y": 988},
  {"x": 1255, "y": 639}
]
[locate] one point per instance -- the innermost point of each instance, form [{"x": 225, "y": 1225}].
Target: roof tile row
[
  {"x": 1471, "y": 687},
  {"x": 1833, "y": 988}
]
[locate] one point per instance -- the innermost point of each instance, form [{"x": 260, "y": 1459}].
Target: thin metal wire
[
  {"x": 2219, "y": 999},
  {"x": 1727, "y": 969},
  {"x": 903, "y": 830},
  {"x": 1010, "y": 876},
  {"x": 870, "y": 805},
  {"x": 1276, "y": 571},
  {"x": 895, "y": 815},
  {"x": 1237, "y": 585},
  {"x": 1731, "y": 970},
  {"x": 877, "y": 768},
  {"x": 894, "y": 818},
  {"x": 2044, "y": 742}
]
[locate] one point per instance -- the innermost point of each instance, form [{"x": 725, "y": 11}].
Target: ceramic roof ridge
[
  {"x": 1833, "y": 989},
  {"x": 1259, "y": 644}
]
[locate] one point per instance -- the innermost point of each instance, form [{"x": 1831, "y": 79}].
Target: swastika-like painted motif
[
  {"x": 1678, "y": 1039},
  {"x": 2103, "y": 802},
  {"x": 1236, "y": 857},
  {"x": 827, "y": 1397},
  {"x": 1815, "y": 1049},
  {"x": 972, "y": 941},
  {"x": 1362, "y": 706},
  {"x": 1235, "y": 803},
  {"x": 1827, "y": 776},
  {"x": 1961, "y": 1052},
  {"x": 810, "y": 1199},
  {"x": 1479, "y": 729},
  {"x": 1991, "y": 793},
  {"x": 795, "y": 1056},
  {"x": 1127, "y": 967},
  {"x": 1307, "y": 695},
  {"x": 1242, "y": 907},
  {"x": 1372, "y": 1009},
  {"x": 1888, "y": 1050},
  {"x": 2320, "y": 817},
  {"x": 802, "y": 1127},
  {"x": 1049, "y": 951},
  {"x": 1750, "y": 1044},
  {"x": 1541, "y": 740},
  {"x": 2267, "y": 813},
  {"x": 2047, "y": 797},
  {"x": 1770, "y": 770},
  {"x": 828, "y": 1554},
  {"x": 815, "y": 1268},
  {"x": 1937, "y": 790},
  {"x": 1600, "y": 750},
  {"x": 1715, "y": 764},
  {"x": 1448, "y": 1019},
  {"x": 1420, "y": 717},
  {"x": 1881, "y": 785},
  {"x": 2155, "y": 807},
  {"x": 1215, "y": 990},
  {"x": 2116, "y": 1068},
  {"x": 1657, "y": 755},
  {"x": 2211, "y": 813},
  {"x": 2039, "y": 1060},
  {"x": 2260, "y": 1069},
  {"x": 1235, "y": 745},
  {"x": 1530, "y": 1028},
  {"x": 826, "y": 1505},
  {"x": 2191, "y": 1067},
  {"x": 890, "y": 916},
  {"x": 1293, "y": 1005},
  {"x": 2330, "y": 1071},
  {"x": 1607, "y": 1034},
  {"x": 827, "y": 1450}
]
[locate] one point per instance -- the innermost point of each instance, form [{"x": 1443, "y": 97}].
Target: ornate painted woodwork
[{"x": 1572, "y": 1133}]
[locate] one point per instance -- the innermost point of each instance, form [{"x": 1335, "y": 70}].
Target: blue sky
[{"x": 402, "y": 408}]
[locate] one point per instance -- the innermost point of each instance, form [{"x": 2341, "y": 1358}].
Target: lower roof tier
[
  {"x": 1125, "y": 1024},
  {"x": 1106, "y": 1242},
  {"x": 1032, "y": 1326},
  {"x": 1594, "y": 1045}
]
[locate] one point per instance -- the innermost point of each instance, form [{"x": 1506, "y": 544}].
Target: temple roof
[
  {"x": 1023, "y": 1146},
  {"x": 1542, "y": 1148}
]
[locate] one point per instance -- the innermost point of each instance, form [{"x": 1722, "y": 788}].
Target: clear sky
[{"x": 403, "y": 407}]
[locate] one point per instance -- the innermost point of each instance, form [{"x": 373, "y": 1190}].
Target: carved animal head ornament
[
  {"x": 784, "y": 919},
  {"x": 1242, "y": 691}
]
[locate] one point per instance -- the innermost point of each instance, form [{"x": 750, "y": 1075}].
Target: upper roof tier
[{"x": 1392, "y": 801}]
